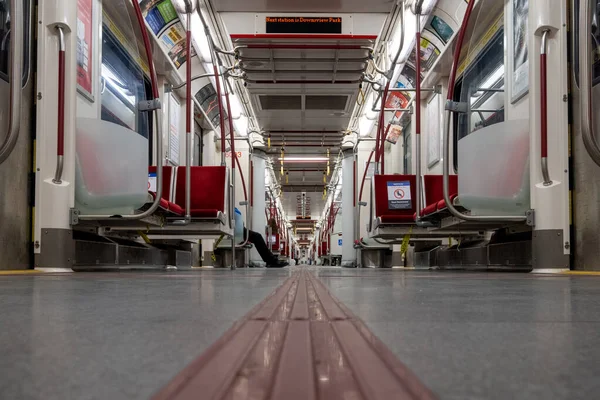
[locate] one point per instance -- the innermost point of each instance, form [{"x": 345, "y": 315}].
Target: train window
[
  {"x": 5, "y": 27},
  {"x": 123, "y": 86},
  {"x": 481, "y": 87},
  {"x": 595, "y": 40}
]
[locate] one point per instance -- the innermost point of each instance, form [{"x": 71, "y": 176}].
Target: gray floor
[
  {"x": 115, "y": 336},
  {"x": 466, "y": 335},
  {"x": 484, "y": 336}
]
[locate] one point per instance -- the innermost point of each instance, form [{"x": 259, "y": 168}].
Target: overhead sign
[
  {"x": 304, "y": 25},
  {"x": 399, "y": 197}
]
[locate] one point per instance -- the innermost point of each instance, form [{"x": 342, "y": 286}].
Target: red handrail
[
  {"x": 60, "y": 130},
  {"x": 544, "y": 109},
  {"x": 382, "y": 148},
  {"x": 354, "y": 182},
  {"x": 147, "y": 47},
  {"x": 60, "y": 151},
  {"x": 188, "y": 77},
  {"x": 457, "y": 50},
  {"x": 418, "y": 83}
]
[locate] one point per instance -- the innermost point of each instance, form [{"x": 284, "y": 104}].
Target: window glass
[
  {"x": 5, "y": 28},
  {"x": 123, "y": 86},
  {"x": 482, "y": 89}
]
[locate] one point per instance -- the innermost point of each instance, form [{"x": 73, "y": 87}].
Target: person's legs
[{"x": 259, "y": 243}]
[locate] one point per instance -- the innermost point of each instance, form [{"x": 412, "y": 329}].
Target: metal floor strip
[{"x": 298, "y": 343}]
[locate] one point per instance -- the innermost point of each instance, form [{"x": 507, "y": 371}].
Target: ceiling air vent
[
  {"x": 281, "y": 102},
  {"x": 326, "y": 102}
]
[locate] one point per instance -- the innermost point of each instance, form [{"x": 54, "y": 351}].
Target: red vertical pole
[
  {"x": 418, "y": 85},
  {"x": 188, "y": 79}
]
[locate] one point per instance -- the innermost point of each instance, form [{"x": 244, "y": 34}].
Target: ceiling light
[
  {"x": 241, "y": 125},
  {"x": 427, "y": 6},
  {"x": 199, "y": 35},
  {"x": 303, "y": 159},
  {"x": 364, "y": 126},
  {"x": 236, "y": 107},
  {"x": 185, "y": 6}
]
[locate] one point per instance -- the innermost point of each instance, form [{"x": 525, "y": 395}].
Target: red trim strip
[{"x": 268, "y": 36}]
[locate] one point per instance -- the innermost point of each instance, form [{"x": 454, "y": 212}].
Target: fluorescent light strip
[{"x": 303, "y": 159}]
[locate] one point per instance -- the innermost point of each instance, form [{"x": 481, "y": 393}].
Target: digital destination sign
[{"x": 304, "y": 25}]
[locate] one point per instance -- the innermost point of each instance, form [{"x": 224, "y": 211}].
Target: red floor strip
[{"x": 298, "y": 343}]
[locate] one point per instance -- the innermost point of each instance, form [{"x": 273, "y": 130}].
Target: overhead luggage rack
[{"x": 311, "y": 59}]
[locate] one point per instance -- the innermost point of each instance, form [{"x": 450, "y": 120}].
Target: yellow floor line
[
  {"x": 20, "y": 272},
  {"x": 590, "y": 273}
]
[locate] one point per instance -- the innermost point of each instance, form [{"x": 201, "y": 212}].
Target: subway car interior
[{"x": 285, "y": 199}]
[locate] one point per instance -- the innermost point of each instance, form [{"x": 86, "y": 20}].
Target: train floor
[{"x": 464, "y": 335}]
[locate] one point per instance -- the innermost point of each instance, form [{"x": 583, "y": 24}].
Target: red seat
[
  {"x": 208, "y": 189},
  {"x": 382, "y": 209},
  {"x": 167, "y": 190},
  {"x": 434, "y": 192},
  {"x": 441, "y": 205},
  {"x": 324, "y": 248}
]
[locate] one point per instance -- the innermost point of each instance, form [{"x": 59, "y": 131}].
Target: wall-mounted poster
[
  {"x": 173, "y": 40},
  {"x": 429, "y": 53},
  {"x": 84, "y": 48},
  {"x": 158, "y": 13},
  {"x": 207, "y": 97},
  {"x": 409, "y": 73},
  {"x": 396, "y": 100},
  {"x": 440, "y": 28},
  {"x": 394, "y": 133},
  {"x": 520, "y": 68}
]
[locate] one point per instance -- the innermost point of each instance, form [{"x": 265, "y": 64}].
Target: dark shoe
[{"x": 278, "y": 264}]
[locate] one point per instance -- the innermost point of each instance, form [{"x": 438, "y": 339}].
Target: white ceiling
[
  {"x": 283, "y": 68},
  {"x": 289, "y": 203},
  {"x": 312, "y": 6}
]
